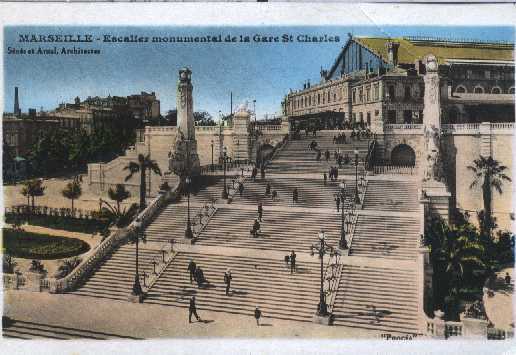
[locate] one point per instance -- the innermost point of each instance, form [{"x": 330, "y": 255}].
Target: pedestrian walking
[
  {"x": 507, "y": 279},
  {"x": 262, "y": 172},
  {"x": 268, "y": 189},
  {"x": 260, "y": 211},
  {"x": 274, "y": 195},
  {"x": 241, "y": 189},
  {"x": 191, "y": 268},
  {"x": 295, "y": 195},
  {"x": 192, "y": 310},
  {"x": 227, "y": 280},
  {"x": 327, "y": 155},
  {"x": 337, "y": 202},
  {"x": 257, "y": 315},
  {"x": 254, "y": 173},
  {"x": 292, "y": 262},
  {"x": 199, "y": 277},
  {"x": 325, "y": 177}
]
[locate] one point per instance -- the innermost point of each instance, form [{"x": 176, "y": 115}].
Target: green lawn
[{"x": 41, "y": 246}]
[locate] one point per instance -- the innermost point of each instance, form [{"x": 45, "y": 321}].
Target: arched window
[
  {"x": 496, "y": 90},
  {"x": 511, "y": 90},
  {"x": 478, "y": 90},
  {"x": 318, "y": 99},
  {"x": 328, "y": 96},
  {"x": 461, "y": 90}
]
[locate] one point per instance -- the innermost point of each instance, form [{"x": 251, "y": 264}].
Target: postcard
[{"x": 259, "y": 175}]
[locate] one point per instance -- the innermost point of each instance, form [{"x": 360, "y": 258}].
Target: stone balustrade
[{"x": 107, "y": 246}]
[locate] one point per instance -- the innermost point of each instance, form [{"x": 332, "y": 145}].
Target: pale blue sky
[{"x": 260, "y": 71}]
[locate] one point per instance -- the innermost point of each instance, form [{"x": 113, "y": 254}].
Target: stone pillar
[
  {"x": 474, "y": 328},
  {"x": 185, "y": 160},
  {"x": 439, "y": 325},
  {"x": 285, "y": 127},
  {"x": 433, "y": 181}
]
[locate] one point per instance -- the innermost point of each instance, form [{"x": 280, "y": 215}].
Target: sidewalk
[{"x": 154, "y": 321}]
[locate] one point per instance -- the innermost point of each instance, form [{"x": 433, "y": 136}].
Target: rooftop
[{"x": 413, "y": 48}]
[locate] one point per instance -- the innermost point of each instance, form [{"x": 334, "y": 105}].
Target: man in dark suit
[
  {"x": 292, "y": 262},
  {"x": 192, "y": 309},
  {"x": 260, "y": 211},
  {"x": 191, "y": 269},
  {"x": 227, "y": 280}
]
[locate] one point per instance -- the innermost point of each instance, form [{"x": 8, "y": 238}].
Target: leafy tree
[
  {"x": 32, "y": 189},
  {"x": 203, "y": 118},
  {"x": 118, "y": 194},
  {"x": 8, "y": 264},
  {"x": 66, "y": 266},
  {"x": 490, "y": 174},
  {"x": 73, "y": 190},
  {"x": 144, "y": 163}
]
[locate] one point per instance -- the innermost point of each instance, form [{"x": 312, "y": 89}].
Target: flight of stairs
[
  {"x": 169, "y": 224},
  {"x": 256, "y": 282},
  {"x": 312, "y": 193},
  {"x": 392, "y": 237},
  {"x": 114, "y": 278},
  {"x": 279, "y": 230},
  {"x": 377, "y": 298},
  {"x": 18, "y": 329},
  {"x": 391, "y": 195},
  {"x": 296, "y": 158}
]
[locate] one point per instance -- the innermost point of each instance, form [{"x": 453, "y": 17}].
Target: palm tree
[
  {"x": 490, "y": 174},
  {"x": 144, "y": 163},
  {"x": 119, "y": 218},
  {"x": 119, "y": 194},
  {"x": 33, "y": 188},
  {"x": 72, "y": 190}
]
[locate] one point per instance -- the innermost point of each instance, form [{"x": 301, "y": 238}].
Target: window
[
  {"x": 361, "y": 117},
  {"x": 407, "y": 116},
  {"x": 328, "y": 97},
  {"x": 460, "y": 89},
  {"x": 391, "y": 116},
  {"x": 309, "y": 100},
  {"x": 334, "y": 97},
  {"x": 354, "y": 117},
  {"x": 407, "y": 92},
  {"x": 354, "y": 96},
  {"x": 368, "y": 94},
  {"x": 361, "y": 95},
  {"x": 318, "y": 99},
  {"x": 496, "y": 90},
  {"x": 469, "y": 74},
  {"x": 487, "y": 74},
  {"x": 421, "y": 90},
  {"x": 479, "y": 90},
  {"x": 368, "y": 118},
  {"x": 391, "y": 92},
  {"x": 376, "y": 92}
]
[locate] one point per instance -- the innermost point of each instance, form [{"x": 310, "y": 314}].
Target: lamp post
[
  {"x": 254, "y": 112},
  {"x": 321, "y": 248},
  {"x": 137, "y": 288},
  {"x": 343, "y": 244},
  {"x": 357, "y": 198},
  {"x": 212, "y": 155},
  {"x": 188, "y": 229},
  {"x": 225, "y": 190}
]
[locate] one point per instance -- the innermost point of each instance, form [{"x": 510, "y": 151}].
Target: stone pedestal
[
  {"x": 32, "y": 281},
  {"x": 185, "y": 158},
  {"x": 438, "y": 199},
  {"x": 474, "y": 328},
  {"x": 324, "y": 320},
  {"x": 439, "y": 326}
]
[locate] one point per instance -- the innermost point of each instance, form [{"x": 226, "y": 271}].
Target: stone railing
[
  {"x": 468, "y": 128},
  {"x": 160, "y": 129},
  {"x": 439, "y": 328},
  {"x": 403, "y": 128},
  {"x": 499, "y": 334},
  {"x": 107, "y": 246},
  {"x": 269, "y": 128},
  {"x": 394, "y": 170},
  {"x": 332, "y": 275},
  {"x": 13, "y": 281}
]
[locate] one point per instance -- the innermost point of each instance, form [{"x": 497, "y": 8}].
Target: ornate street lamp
[
  {"x": 212, "y": 155},
  {"x": 343, "y": 244},
  {"x": 137, "y": 288},
  {"x": 188, "y": 229},
  {"x": 357, "y": 198},
  {"x": 224, "y": 159},
  {"x": 322, "y": 248}
]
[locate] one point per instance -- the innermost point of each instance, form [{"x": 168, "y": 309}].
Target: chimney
[
  {"x": 17, "y": 111},
  {"x": 308, "y": 84},
  {"x": 392, "y": 50}
]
